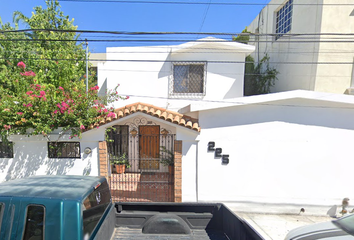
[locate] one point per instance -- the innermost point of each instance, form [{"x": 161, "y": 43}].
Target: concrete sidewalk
[
  {"x": 273, "y": 222},
  {"x": 276, "y": 226}
]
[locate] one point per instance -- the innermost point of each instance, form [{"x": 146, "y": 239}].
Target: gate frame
[{"x": 177, "y": 181}]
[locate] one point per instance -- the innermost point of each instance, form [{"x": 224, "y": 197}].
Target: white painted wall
[
  {"x": 146, "y": 77},
  {"x": 316, "y": 18},
  {"x": 290, "y": 151},
  {"x": 31, "y": 158}
]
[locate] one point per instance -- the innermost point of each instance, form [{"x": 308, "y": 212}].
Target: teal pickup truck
[{"x": 80, "y": 208}]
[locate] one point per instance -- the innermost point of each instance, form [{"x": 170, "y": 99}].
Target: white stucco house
[
  {"x": 208, "y": 69},
  {"x": 288, "y": 148},
  {"x": 291, "y": 147},
  {"x": 308, "y": 43}
]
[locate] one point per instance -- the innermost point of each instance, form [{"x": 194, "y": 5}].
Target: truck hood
[{"x": 318, "y": 231}]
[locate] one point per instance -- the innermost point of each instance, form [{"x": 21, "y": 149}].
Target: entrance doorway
[{"x": 149, "y": 147}]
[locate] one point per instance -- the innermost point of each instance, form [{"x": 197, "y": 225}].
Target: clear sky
[{"x": 147, "y": 17}]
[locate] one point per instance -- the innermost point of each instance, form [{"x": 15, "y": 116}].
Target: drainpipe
[
  {"x": 86, "y": 67},
  {"x": 259, "y": 19},
  {"x": 196, "y": 174}
]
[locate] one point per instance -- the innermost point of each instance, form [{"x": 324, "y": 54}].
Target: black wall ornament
[
  {"x": 217, "y": 153},
  {"x": 211, "y": 146}
]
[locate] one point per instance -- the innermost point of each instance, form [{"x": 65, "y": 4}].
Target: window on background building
[
  {"x": 283, "y": 19},
  {"x": 64, "y": 150},
  {"x": 188, "y": 79},
  {"x": 6, "y": 150}
]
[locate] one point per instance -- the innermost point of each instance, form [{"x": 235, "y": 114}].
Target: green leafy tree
[
  {"x": 42, "y": 77},
  {"x": 55, "y": 55},
  {"x": 244, "y": 37}
]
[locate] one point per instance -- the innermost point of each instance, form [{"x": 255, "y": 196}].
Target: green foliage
[
  {"x": 42, "y": 108},
  {"x": 259, "y": 78},
  {"x": 243, "y": 37},
  {"x": 167, "y": 157},
  {"x": 49, "y": 49},
  {"x": 41, "y": 81},
  {"x": 120, "y": 160}
]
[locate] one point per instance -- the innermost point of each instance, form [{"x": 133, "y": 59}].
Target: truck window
[
  {"x": 34, "y": 226},
  {"x": 93, "y": 208},
  {"x": 2, "y": 205}
]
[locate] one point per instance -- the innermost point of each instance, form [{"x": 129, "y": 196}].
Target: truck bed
[
  {"x": 175, "y": 221},
  {"x": 124, "y": 233}
]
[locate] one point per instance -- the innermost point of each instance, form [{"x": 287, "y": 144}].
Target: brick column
[
  {"x": 178, "y": 172},
  {"x": 103, "y": 159}
]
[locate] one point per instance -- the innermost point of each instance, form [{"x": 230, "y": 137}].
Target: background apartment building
[{"x": 309, "y": 42}]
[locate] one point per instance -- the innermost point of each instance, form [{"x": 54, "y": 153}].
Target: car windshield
[{"x": 346, "y": 223}]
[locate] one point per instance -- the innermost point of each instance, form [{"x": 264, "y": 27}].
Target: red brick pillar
[
  {"x": 103, "y": 159},
  {"x": 178, "y": 172}
]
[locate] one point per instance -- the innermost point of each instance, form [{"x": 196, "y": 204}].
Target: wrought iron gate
[{"x": 146, "y": 178}]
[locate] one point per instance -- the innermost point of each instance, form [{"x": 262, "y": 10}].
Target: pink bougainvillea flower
[
  {"x": 94, "y": 88},
  {"x": 61, "y": 88},
  {"x": 28, "y": 74},
  {"x": 127, "y": 97},
  {"x": 42, "y": 93},
  {"x": 82, "y": 127},
  {"x": 64, "y": 104},
  {"x": 56, "y": 111},
  {"x": 29, "y": 92},
  {"x": 27, "y": 105},
  {"x": 21, "y": 65},
  {"x": 19, "y": 113},
  {"x": 7, "y": 127},
  {"x": 111, "y": 114}
]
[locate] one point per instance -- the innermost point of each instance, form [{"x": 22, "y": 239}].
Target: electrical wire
[
  {"x": 162, "y": 61},
  {"x": 204, "y": 17},
  {"x": 172, "y": 33},
  {"x": 171, "y": 40},
  {"x": 203, "y": 3}
]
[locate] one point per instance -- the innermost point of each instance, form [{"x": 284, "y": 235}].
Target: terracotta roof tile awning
[{"x": 170, "y": 116}]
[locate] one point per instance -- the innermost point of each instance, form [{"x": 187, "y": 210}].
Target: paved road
[
  {"x": 276, "y": 226},
  {"x": 274, "y": 221}
]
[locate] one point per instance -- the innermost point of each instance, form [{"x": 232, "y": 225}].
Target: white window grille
[
  {"x": 283, "y": 19},
  {"x": 188, "y": 79}
]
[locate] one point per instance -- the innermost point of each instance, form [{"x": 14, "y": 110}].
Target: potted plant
[
  {"x": 167, "y": 158},
  {"x": 120, "y": 162}
]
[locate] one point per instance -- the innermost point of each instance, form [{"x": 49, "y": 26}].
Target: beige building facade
[{"x": 309, "y": 42}]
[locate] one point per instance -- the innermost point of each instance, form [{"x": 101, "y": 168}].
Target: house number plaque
[{"x": 217, "y": 153}]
